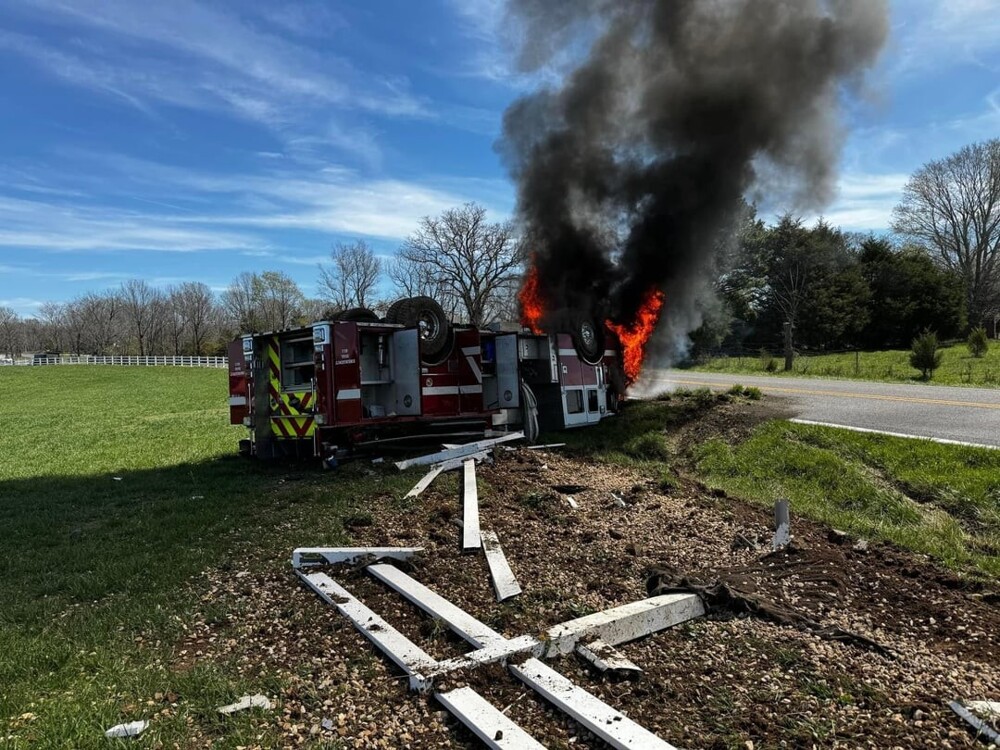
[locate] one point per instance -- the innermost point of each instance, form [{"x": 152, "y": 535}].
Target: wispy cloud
[
  {"x": 933, "y": 34},
  {"x": 864, "y": 202}
]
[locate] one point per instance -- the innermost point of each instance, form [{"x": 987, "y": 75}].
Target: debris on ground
[
  {"x": 247, "y": 702},
  {"x": 728, "y": 679},
  {"x": 131, "y": 729}
]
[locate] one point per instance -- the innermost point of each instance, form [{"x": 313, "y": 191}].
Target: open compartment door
[
  {"x": 405, "y": 366},
  {"x": 508, "y": 379}
]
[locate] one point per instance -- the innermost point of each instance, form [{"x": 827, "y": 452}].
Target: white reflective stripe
[
  {"x": 348, "y": 393},
  {"x": 567, "y": 352},
  {"x": 610, "y": 353},
  {"x": 467, "y": 350},
  {"x": 237, "y": 400},
  {"x": 474, "y": 367},
  {"x": 440, "y": 390},
  {"x": 470, "y": 389}
]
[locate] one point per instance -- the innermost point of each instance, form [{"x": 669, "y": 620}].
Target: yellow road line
[{"x": 848, "y": 394}]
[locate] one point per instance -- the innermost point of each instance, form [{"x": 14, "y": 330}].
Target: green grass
[
  {"x": 942, "y": 500},
  {"x": 958, "y": 367},
  {"x": 89, "y": 563}
]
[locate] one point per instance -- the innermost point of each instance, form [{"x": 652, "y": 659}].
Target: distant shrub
[
  {"x": 753, "y": 393},
  {"x": 735, "y": 390},
  {"x": 978, "y": 342},
  {"x": 925, "y": 355}
]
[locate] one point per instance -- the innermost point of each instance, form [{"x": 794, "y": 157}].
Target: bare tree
[
  {"x": 52, "y": 326},
  {"x": 951, "y": 208},
  {"x": 351, "y": 279},
  {"x": 468, "y": 257},
  {"x": 11, "y": 332},
  {"x": 265, "y": 301},
  {"x": 101, "y": 316},
  {"x": 144, "y": 310},
  {"x": 197, "y": 304},
  {"x": 240, "y": 303}
]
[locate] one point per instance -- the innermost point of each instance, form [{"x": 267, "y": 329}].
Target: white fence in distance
[{"x": 87, "y": 359}]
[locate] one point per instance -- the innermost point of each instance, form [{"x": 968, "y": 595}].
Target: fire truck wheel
[
  {"x": 588, "y": 338},
  {"x": 357, "y": 315},
  {"x": 428, "y": 317}
]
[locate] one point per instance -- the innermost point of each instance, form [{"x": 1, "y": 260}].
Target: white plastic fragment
[
  {"x": 131, "y": 729},
  {"x": 572, "y": 502},
  {"x": 247, "y": 702},
  {"x": 618, "y": 500},
  {"x": 606, "y": 658},
  {"x": 504, "y": 582}
]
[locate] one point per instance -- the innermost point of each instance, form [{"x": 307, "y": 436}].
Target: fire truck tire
[
  {"x": 588, "y": 339},
  {"x": 428, "y": 317},
  {"x": 357, "y": 315}
]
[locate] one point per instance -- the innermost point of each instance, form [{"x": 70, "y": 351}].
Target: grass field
[
  {"x": 117, "y": 485},
  {"x": 941, "y": 500},
  {"x": 958, "y": 367}
]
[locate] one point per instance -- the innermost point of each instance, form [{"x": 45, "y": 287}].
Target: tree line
[
  {"x": 470, "y": 265},
  {"x": 820, "y": 287}
]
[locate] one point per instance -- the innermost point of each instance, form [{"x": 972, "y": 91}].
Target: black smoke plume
[{"x": 631, "y": 169}]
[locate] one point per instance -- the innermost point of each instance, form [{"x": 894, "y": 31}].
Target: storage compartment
[{"x": 297, "y": 364}]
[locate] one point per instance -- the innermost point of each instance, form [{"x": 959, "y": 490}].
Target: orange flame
[
  {"x": 532, "y": 304},
  {"x": 635, "y": 335}
]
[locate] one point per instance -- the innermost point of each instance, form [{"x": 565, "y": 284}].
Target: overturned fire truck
[{"x": 357, "y": 381}]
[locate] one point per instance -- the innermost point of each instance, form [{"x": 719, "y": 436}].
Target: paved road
[{"x": 941, "y": 412}]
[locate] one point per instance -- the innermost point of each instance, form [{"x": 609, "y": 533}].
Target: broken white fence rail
[
  {"x": 471, "y": 538},
  {"x": 504, "y": 582},
  {"x": 463, "y": 451},
  {"x": 485, "y": 721},
  {"x": 603, "y": 720},
  {"x": 303, "y": 557},
  {"x": 606, "y": 658}
]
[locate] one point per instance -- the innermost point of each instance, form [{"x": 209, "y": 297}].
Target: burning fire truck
[{"x": 357, "y": 380}]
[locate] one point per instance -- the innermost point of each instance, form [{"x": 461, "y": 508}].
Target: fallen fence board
[
  {"x": 606, "y": 658},
  {"x": 485, "y": 721},
  {"x": 461, "y": 451},
  {"x": 504, "y": 582},
  {"x": 458, "y": 463},
  {"x": 407, "y": 655},
  {"x": 625, "y": 623},
  {"x": 610, "y": 725},
  {"x": 425, "y": 482},
  {"x": 336, "y": 555},
  {"x": 471, "y": 538},
  {"x": 461, "y": 622}
]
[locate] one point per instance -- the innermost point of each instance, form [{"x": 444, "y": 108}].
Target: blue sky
[{"x": 193, "y": 140}]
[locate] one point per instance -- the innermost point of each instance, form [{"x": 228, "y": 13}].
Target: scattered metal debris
[
  {"x": 982, "y": 731},
  {"x": 504, "y": 582},
  {"x": 131, "y": 729},
  {"x": 247, "y": 702},
  {"x": 462, "y": 451},
  {"x": 547, "y": 445},
  {"x": 782, "y": 525}
]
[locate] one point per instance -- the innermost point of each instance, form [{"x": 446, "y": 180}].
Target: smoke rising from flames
[{"x": 631, "y": 169}]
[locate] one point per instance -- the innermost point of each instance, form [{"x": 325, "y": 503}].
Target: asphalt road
[{"x": 941, "y": 412}]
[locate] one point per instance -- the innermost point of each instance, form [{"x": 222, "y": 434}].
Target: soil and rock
[{"x": 728, "y": 680}]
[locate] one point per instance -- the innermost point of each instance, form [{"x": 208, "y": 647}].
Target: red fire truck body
[{"x": 335, "y": 385}]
